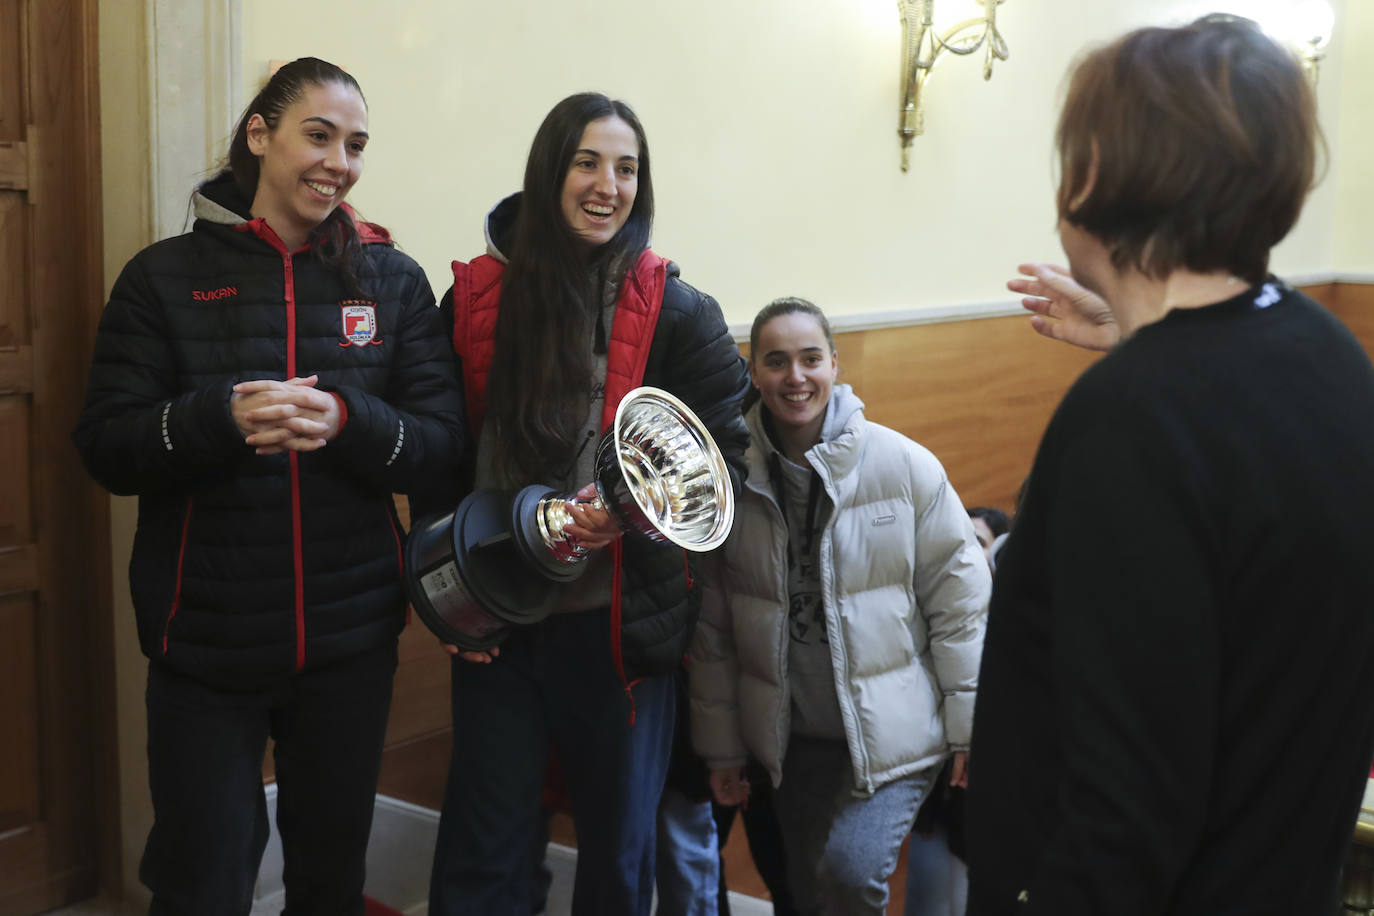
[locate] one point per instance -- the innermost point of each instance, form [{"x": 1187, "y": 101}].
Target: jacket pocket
[{"x": 176, "y": 588}]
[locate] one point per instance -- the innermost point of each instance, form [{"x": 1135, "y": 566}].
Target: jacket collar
[
  {"x": 834, "y": 457},
  {"x": 220, "y": 202}
]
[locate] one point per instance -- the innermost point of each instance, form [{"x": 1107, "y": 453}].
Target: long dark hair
[
  {"x": 551, "y": 297},
  {"x": 335, "y": 241}
]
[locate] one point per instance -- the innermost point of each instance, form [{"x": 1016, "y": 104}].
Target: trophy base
[{"x": 468, "y": 577}]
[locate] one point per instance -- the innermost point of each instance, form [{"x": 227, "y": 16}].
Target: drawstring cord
[{"x": 813, "y": 500}]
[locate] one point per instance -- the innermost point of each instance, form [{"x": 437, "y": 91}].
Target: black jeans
[{"x": 205, "y": 752}]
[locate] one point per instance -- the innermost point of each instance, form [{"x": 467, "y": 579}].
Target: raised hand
[{"x": 1063, "y": 309}]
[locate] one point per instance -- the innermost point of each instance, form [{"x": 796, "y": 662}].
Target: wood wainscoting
[{"x": 977, "y": 393}]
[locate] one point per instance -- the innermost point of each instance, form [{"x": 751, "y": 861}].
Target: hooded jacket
[
  {"x": 246, "y": 567},
  {"x": 904, "y": 587},
  {"x": 691, "y": 355}
]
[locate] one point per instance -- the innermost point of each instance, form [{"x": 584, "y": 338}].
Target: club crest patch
[{"x": 359, "y": 318}]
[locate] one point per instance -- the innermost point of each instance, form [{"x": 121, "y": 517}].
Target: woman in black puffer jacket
[{"x": 263, "y": 384}]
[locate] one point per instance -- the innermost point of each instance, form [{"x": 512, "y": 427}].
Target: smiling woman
[
  {"x": 841, "y": 623},
  {"x": 310, "y": 158},
  {"x": 599, "y": 192},
  {"x": 264, "y": 383},
  {"x": 567, "y": 313}
]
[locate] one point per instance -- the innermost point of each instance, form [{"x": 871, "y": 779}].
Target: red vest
[{"x": 477, "y": 299}]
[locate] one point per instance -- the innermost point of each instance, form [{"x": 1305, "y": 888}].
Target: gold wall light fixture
[
  {"x": 922, "y": 46},
  {"x": 1303, "y": 25}
]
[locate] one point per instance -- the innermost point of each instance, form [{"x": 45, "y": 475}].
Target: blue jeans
[
  {"x": 688, "y": 859},
  {"x": 553, "y": 687},
  {"x": 936, "y": 880},
  {"x": 841, "y": 849}
]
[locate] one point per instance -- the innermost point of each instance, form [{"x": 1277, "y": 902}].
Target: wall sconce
[
  {"x": 922, "y": 46},
  {"x": 1303, "y": 25}
]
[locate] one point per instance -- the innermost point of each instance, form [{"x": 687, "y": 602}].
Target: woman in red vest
[{"x": 566, "y": 313}]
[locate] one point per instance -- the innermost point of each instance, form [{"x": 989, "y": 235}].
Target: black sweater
[
  {"x": 1176, "y": 705},
  {"x": 247, "y": 568}
]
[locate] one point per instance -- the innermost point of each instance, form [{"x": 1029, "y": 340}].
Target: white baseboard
[
  {"x": 398, "y": 862},
  {"x": 398, "y": 854}
]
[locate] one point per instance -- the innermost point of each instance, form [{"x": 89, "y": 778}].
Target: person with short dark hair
[
  {"x": 264, "y": 383},
  {"x": 990, "y": 525},
  {"x": 994, "y": 519},
  {"x": 1173, "y": 714}
]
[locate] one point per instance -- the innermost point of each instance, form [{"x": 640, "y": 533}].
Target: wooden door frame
[
  {"x": 77, "y": 706},
  {"x": 67, "y": 846},
  {"x": 74, "y": 627}
]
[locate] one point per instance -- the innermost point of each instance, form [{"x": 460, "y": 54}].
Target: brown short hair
[{"x": 1188, "y": 148}]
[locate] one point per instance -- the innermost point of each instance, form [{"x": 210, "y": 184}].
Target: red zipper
[
  {"x": 298, "y": 558},
  {"x": 181, "y": 558},
  {"x": 260, "y": 228}
]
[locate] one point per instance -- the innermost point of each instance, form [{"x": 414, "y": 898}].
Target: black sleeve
[
  {"x": 698, "y": 361},
  {"x": 410, "y": 437},
  {"x": 438, "y": 494},
  {"x": 138, "y": 433}
]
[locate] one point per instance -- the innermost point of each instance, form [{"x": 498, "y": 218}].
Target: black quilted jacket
[
  {"x": 693, "y": 357},
  {"x": 246, "y": 568}
]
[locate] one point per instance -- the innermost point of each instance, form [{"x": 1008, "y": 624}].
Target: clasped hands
[{"x": 293, "y": 415}]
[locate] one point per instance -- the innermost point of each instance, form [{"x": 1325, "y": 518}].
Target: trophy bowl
[{"x": 660, "y": 473}]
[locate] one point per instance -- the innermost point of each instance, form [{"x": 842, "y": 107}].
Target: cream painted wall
[
  {"x": 127, "y": 226},
  {"x": 772, "y": 126},
  {"x": 1353, "y": 162}
]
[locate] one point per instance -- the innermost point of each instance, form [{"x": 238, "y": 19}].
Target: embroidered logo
[
  {"x": 884, "y": 520},
  {"x": 1269, "y": 294},
  {"x": 359, "y": 319},
  {"x": 210, "y": 295}
]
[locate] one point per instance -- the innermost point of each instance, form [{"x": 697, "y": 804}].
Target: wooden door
[{"x": 55, "y": 655}]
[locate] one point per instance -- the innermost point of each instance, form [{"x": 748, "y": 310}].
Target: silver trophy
[{"x": 658, "y": 472}]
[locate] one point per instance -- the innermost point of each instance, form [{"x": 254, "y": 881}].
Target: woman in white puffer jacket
[{"x": 842, "y": 623}]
